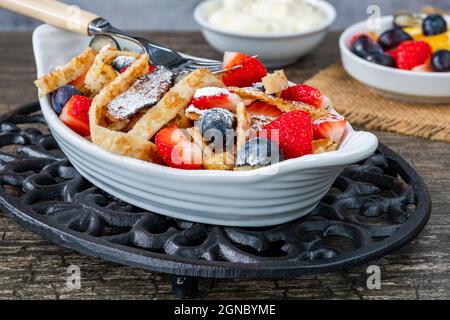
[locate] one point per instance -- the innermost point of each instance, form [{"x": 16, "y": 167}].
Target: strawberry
[
  {"x": 75, "y": 115},
  {"x": 231, "y": 59},
  {"x": 259, "y": 108},
  {"x": 210, "y": 97},
  {"x": 332, "y": 127},
  {"x": 79, "y": 82},
  {"x": 151, "y": 69},
  {"x": 176, "y": 150},
  {"x": 295, "y": 133},
  {"x": 410, "y": 54},
  {"x": 305, "y": 94},
  {"x": 252, "y": 70}
]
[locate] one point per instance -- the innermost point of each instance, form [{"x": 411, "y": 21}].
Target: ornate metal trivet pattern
[{"x": 374, "y": 208}]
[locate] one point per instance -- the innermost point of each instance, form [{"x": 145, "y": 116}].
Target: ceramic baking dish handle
[{"x": 58, "y": 14}]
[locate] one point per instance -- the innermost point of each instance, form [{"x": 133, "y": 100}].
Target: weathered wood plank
[{"x": 33, "y": 268}]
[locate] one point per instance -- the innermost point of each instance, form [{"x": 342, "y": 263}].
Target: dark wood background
[{"x": 32, "y": 268}]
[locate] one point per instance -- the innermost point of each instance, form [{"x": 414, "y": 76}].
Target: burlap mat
[{"x": 366, "y": 108}]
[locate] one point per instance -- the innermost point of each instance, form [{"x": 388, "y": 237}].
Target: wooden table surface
[{"x": 32, "y": 268}]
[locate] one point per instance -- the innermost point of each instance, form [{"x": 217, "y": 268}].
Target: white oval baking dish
[{"x": 266, "y": 196}]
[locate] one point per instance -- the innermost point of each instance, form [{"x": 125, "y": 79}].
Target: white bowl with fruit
[
  {"x": 409, "y": 62},
  {"x": 279, "y": 32},
  {"x": 308, "y": 154}
]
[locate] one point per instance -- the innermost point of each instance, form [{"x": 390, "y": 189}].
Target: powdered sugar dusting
[
  {"x": 145, "y": 92},
  {"x": 259, "y": 152},
  {"x": 333, "y": 118},
  {"x": 260, "y": 121},
  {"x": 193, "y": 109},
  {"x": 210, "y": 92},
  {"x": 218, "y": 115}
]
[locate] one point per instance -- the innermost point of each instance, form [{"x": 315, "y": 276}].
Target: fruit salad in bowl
[
  {"x": 415, "y": 42},
  {"x": 408, "y": 58},
  {"x": 242, "y": 147}
]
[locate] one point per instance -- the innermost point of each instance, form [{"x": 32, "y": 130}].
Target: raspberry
[{"x": 410, "y": 54}]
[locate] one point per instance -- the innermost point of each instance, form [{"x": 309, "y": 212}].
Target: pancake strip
[
  {"x": 282, "y": 104},
  {"x": 61, "y": 76},
  {"x": 113, "y": 141}
]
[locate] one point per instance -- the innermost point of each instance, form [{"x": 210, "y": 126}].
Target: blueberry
[
  {"x": 390, "y": 39},
  {"x": 62, "y": 95},
  {"x": 259, "y": 86},
  {"x": 259, "y": 152},
  {"x": 434, "y": 24},
  {"x": 440, "y": 62},
  {"x": 364, "y": 45},
  {"x": 215, "y": 124},
  {"x": 381, "y": 59},
  {"x": 122, "y": 62}
]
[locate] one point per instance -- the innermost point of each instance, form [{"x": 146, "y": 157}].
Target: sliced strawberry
[
  {"x": 176, "y": 150},
  {"x": 211, "y": 97},
  {"x": 294, "y": 133},
  {"x": 252, "y": 70},
  {"x": 79, "y": 82},
  {"x": 259, "y": 108},
  {"x": 231, "y": 59},
  {"x": 75, "y": 115},
  {"x": 330, "y": 128},
  {"x": 151, "y": 69},
  {"x": 305, "y": 94}
]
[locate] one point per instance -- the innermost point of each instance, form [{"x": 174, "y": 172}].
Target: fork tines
[{"x": 216, "y": 67}]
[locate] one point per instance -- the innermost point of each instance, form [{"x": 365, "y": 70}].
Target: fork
[
  {"x": 73, "y": 19},
  {"x": 159, "y": 54}
]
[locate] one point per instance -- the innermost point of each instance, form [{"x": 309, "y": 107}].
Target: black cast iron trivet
[{"x": 374, "y": 208}]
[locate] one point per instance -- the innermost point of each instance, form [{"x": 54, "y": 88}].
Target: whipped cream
[{"x": 265, "y": 16}]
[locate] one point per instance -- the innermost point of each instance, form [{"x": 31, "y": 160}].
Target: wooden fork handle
[{"x": 58, "y": 14}]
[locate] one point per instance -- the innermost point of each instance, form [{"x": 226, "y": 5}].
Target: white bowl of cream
[{"x": 278, "y": 31}]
